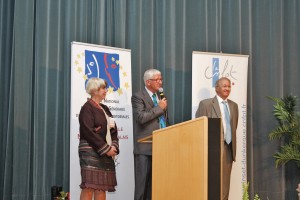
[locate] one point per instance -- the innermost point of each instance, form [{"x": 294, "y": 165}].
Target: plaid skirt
[{"x": 97, "y": 172}]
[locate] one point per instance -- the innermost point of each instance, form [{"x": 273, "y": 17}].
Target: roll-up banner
[
  {"x": 113, "y": 65},
  {"x": 207, "y": 68}
]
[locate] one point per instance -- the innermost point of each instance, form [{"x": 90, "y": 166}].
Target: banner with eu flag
[{"x": 114, "y": 66}]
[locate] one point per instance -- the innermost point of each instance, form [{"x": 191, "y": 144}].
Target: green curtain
[{"x": 35, "y": 40}]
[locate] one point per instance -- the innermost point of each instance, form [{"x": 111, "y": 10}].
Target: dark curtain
[{"x": 35, "y": 40}]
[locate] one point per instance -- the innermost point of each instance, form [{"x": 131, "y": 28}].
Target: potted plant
[
  {"x": 63, "y": 195},
  {"x": 246, "y": 194},
  {"x": 288, "y": 129}
]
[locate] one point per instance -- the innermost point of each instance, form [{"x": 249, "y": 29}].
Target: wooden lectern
[{"x": 186, "y": 160}]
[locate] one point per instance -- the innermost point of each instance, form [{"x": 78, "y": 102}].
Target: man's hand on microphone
[{"x": 163, "y": 103}]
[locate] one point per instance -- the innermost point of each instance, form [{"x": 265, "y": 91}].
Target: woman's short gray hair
[
  {"x": 150, "y": 73},
  {"x": 94, "y": 84}
]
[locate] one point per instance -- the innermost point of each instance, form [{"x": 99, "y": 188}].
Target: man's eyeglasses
[{"x": 156, "y": 80}]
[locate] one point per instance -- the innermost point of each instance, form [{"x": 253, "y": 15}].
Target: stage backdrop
[
  {"x": 207, "y": 68},
  {"x": 113, "y": 65}
]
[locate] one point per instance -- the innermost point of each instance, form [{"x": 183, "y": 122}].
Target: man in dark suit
[
  {"x": 148, "y": 116},
  {"x": 221, "y": 107}
]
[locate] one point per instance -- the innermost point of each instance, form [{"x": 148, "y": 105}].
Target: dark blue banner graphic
[{"x": 103, "y": 65}]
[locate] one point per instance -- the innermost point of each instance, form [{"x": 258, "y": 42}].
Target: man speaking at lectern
[
  {"x": 149, "y": 114},
  {"x": 221, "y": 107}
]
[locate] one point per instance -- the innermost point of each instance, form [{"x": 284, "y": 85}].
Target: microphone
[{"x": 161, "y": 93}]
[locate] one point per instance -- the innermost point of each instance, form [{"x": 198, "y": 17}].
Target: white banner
[
  {"x": 207, "y": 68},
  {"x": 113, "y": 65}
]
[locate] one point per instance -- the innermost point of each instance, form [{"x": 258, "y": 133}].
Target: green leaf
[{"x": 245, "y": 191}]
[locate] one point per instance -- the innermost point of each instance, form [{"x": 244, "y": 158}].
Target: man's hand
[{"x": 163, "y": 103}]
